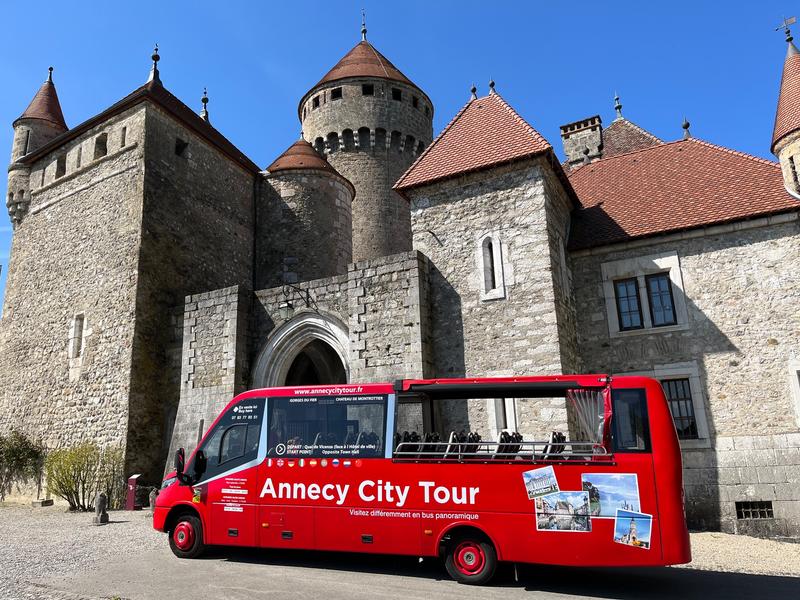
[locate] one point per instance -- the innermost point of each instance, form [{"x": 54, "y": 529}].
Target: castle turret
[
  {"x": 786, "y": 133},
  {"x": 371, "y": 122},
  {"x": 305, "y": 225},
  {"x": 41, "y": 122}
]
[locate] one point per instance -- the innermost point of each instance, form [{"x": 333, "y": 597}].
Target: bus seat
[
  {"x": 452, "y": 448},
  {"x": 502, "y": 444},
  {"x": 473, "y": 437}
]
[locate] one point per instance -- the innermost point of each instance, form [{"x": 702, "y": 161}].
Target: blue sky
[
  {"x": 615, "y": 489},
  {"x": 718, "y": 64},
  {"x": 644, "y": 524}
]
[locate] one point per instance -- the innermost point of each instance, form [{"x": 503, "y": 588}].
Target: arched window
[
  {"x": 363, "y": 139},
  {"x": 380, "y": 139},
  {"x": 409, "y": 147},
  {"x": 396, "y": 137},
  {"x": 489, "y": 261},
  {"x": 10, "y": 202},
  {"x": 348, "y": 140},
  {"x": 489, "y": 276},
  {"x": 100, "y": 145},
  {"x": 319, "y": 145},
  {"x": 420, "y": 147},
  {"x": 333, "y": 142}
]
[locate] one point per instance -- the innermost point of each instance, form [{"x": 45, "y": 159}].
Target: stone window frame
[
  {"x": 77, "y": 339},
  {"x": 691, "y": 371},
  {"x": 498, "y": 254},
  {"x": 639, "y": 268},
  {"x": 794, "y": 386}
]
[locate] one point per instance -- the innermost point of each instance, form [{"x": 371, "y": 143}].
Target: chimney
[{"x": 581, "y": 135}]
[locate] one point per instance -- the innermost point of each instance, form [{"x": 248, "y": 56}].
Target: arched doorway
[
  {"x": 310, "y": 349},
  {"x": 316, "y": 364}
]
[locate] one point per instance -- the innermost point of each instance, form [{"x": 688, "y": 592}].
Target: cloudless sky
[{"x": 554, "y": 62}]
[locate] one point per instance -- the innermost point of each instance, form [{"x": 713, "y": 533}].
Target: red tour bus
[{"x": 363, "y": 468}]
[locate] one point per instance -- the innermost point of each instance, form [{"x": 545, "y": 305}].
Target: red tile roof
[
  {"x": 486, "y": 132},
  {"x": 45, "y": 106},
  {"x": 155, "y": 92},
  {"x": 787, "y": 118},
  {"x": 669, "y": 187},
  {"x": 300, "y": 155},
  {"x": 364, "y": 61},
  {"x": 623, "y": 136}
]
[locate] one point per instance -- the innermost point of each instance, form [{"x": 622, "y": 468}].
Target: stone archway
[{"x": 310, "y": 349}]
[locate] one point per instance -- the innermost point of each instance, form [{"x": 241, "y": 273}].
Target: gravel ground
[{"x": 51, "y": 543}]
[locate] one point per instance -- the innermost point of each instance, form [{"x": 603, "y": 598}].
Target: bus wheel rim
[
  {"x": 184, "y": 535},
  {"x": 469, "y": 558}
]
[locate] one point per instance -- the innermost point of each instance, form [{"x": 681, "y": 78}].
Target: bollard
[
  {"x": 100, "y": 506},
  {"x": 130, "y": 498}
]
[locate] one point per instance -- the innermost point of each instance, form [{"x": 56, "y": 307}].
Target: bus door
[{"x": 229, "y": 487}]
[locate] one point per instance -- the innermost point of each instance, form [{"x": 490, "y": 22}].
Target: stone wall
[
  {"x": 739, "y": 341},
  {"x": 304, "y": 227},
  {"x": 510, "y": 330},
  {"x": 75, "y": 254},
  {"x": 201, "y": 187}
]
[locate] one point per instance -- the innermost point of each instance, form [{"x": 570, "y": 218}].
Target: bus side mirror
[
  {"x": 200, "y": 463},
  {"x": 180, "y": 463}
]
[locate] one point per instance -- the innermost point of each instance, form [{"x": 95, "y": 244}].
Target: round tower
[
  {"x": 306, "y": 226},
  {"x": 371, "y": 122},
  {"x": 41, "y": 122},
  {"x": 786, "y": 133}
]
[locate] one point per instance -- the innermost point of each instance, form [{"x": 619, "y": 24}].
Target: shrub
[
  {"x": 76, "y": 474},
  {"x": 112, "y": 477},
  {"x": 21, "y": 461}
]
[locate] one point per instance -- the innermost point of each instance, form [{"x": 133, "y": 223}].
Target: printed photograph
[
  {"x": 563, "y": 511},
  {"x": 540, "y": 482},
  {"x": 633, "y": 528},
  {"x": 609, "y": 492}
]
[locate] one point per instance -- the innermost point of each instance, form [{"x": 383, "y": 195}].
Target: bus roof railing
[
  {"x": 505, "y": 389},
  {"x": 530, "y": 451}
]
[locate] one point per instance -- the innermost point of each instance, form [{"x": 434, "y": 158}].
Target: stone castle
[{"x": 156, "y": 271}]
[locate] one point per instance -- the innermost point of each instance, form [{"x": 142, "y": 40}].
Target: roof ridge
[
  {"x": 516, "y": 115},
  {"x": 765, "y": 161},
  {"x": 638, "y": 128},
  {"x": 434, "y": 142},
  {"x": 378, "y": 56}
]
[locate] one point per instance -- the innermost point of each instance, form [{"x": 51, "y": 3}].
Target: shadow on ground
[{"x": 646, "y": 582}]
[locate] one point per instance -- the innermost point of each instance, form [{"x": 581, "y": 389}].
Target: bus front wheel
[
  {"x": 470, "y": 560},
  {"x": 186, "y": 538}
]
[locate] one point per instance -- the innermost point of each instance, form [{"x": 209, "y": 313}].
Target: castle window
[
  {"x": 681, "y": 406},
  {"x": 61, "y": 166},
  {"x": 348, "y": 140},
  {"x": 659, "y": 293},
  {"x": 490, "y": 266},
  {"x": 123, "y": 137},
  {"x": 100, "y": 146},
  {"x": 10, "y": 199},
  {"x": 629, "y": 309},
  {"x": 395, "y": 141},
  {"x": 27, "y": 144},
  {"x": 420, "y": 147},
  {"x": 427, "y": 111},
  {"x": 315, "y": 102},
  {"x": 363, "y": 139},
  {"x": 180, "y": 147},
  {"x": 78, "y": 157},
  {"x": 367, "y": 89},
  {"x": 380, "y": 138},
  {"x": 414, "y": 101},
  {"x": 397, "y": 94},
  {"x": 793, "y": 167},
  {"x": 76, "y": 334},
  {"x": 319, "y": 145},
  {"x": 333, "y": 142},
  {"x": 336, "y": 93},
  {"x": 409, "y": 147},
  {"x": 304, "y": 114}
]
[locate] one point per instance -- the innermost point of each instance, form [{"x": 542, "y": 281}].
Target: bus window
[
  {"x": 234, "y": 439},
  {"x": 321, "y": 427},
  {"x": 629, "y": 419}
]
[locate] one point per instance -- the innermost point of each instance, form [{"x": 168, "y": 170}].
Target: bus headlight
[{"x": 168, "y": 482}]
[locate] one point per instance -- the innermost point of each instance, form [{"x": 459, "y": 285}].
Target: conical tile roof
[
  {"x": 787, "y": 118},
  {"x": 45, "y": 106},
  {"x": 300, "y": 155}
]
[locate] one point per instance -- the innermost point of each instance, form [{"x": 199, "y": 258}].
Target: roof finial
[
  {"x": 686, "y": 133},
  {"x": 785, "y": 27},
  {"x": 50, "y": 74},
  {"x": 154, "y": 75},
  {"x": 302, "y": 137},
  {"x": 617, "y": 105},
  {"x": 491, "y": 85},
  {"x": 363, "y": 25},
  {"x": 474, "y": 91},
  {"x": 204, "y": 112}
]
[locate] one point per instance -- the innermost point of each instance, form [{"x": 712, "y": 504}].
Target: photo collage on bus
[{"x": 602, "y": 496}]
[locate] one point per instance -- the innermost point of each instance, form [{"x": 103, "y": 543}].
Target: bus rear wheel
[
  {"x": 186, "y": 538},
  {"x": 471, "y": 560}
]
